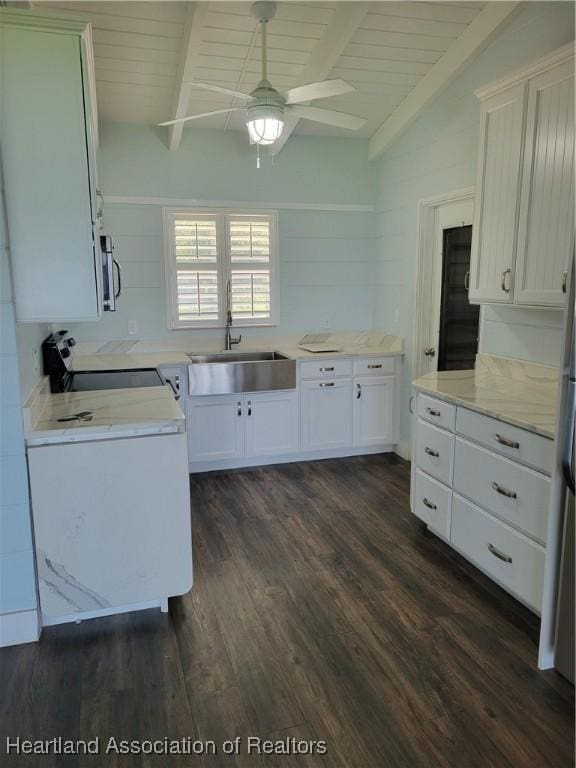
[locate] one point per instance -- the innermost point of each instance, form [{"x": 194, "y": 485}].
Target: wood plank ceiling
[{"x": 138, "y": 50}]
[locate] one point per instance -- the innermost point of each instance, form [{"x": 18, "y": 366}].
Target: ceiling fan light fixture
[
  {"x": 265, "y": 130},
  {"x": 265, "y": 123}
]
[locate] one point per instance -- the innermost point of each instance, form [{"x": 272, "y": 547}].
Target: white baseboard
[
  {"x": 261, "y": 461},
  {"x": 18, "y": 628},
  {"x": 403, "y": 450}
]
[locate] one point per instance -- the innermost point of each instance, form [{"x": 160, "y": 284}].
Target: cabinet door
[
  {"x": 215, "y": 427},
  {"x": 46, "y": 177},
  {"x": 326, "y": 414},
  {"x": 373, "y": 411},
  {"x": 546, "y": 230},
  {"x": 495, "y": 226},
  {"x": 272, "y": 425}
]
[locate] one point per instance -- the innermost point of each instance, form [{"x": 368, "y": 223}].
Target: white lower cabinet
[
  {"x": 228, "y": 427},
  {"x": 431, "y": 502},
  {"x": 326, "y": 414},
  {"x": 215, "y": 428},
  {"x": 374, "y": 422},
  {"x": 271, "y": 420},
  {"x": 471, "y": 492},
  {"x": 513, "y": 560},
  {"x": 334, "y": 411}
]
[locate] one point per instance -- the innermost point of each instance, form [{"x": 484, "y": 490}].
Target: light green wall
[
  {"x": 436, "y": 155},
  {"x": 17, "y": 579},
  {"x": 326, "y": 257}
]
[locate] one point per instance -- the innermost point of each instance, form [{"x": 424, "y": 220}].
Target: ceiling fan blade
[
  {"x": 328, "y": 117},
  {"x": 320, "y": 90},
  {"x": 218, "y": 89},
  {"x": 203, "y": 114}
]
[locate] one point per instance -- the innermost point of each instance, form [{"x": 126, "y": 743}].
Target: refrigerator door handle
[{"x": 568, "y": 450}]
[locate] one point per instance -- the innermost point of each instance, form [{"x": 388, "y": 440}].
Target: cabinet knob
[{"x": 430, "y": 352}]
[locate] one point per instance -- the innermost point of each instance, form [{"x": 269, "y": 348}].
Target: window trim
[{"x": 223, "y": 265}]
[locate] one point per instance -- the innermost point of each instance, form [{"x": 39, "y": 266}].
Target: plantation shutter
[
  {"x": 204, "y": 251},
  {"x": 249, "y": 246},
  {"x": 197, "y": 257}
]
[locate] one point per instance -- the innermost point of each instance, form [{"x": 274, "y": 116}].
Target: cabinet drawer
[
  {"x": 514, "y": 442},
  {"x": 431, "y": 503},
  {"x": 374, "y": 366},
  {"x": 434, "y": 451},
  {"x": 436, "y": 412},
  {"x": 514, "y": 493},
  {"x": 511, "y": 559},
  {"x": 325, "y": 369}
]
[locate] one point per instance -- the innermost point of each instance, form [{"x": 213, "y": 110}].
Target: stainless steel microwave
[{"x": 111, "y": 274}]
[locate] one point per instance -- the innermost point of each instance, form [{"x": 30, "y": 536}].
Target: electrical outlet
[
  {"x": 35, "y": 360},
  {"x": 132, "y": 327},
  {"x": 325, "y": 324},
  {"x": 396, "y": 315}
]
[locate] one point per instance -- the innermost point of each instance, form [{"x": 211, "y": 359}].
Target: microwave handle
[{"x": 119, "y": 274}]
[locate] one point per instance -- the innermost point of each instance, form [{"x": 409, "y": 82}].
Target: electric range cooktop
[{"x": 87, "y": 381}]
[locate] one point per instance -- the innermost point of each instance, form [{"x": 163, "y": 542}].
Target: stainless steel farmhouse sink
[{"x": 226, "y": 373}]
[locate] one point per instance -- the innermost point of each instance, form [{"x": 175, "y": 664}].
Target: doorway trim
[{"x": 424, "y": 266}]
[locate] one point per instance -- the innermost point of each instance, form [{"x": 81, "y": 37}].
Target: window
[{"x": 207, "y": 252}]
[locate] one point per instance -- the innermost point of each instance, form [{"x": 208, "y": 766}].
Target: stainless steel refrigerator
[{"x": 557, "y": 629}]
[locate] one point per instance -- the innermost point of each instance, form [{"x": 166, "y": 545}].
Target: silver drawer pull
[
  {"x": 326, "y": 384},
  {"x": 374, "y": 366},
  {"x": 428, "y": 503},
  {"x": 432, "y": 412},
  {"x": 503, "y": 283},
  {"x": 507, "y": 442},
  {"x": 504, "y": 491},
  {"x": 430, "y": 452},
  {"x": 500, "y": 555},
  {"x": 323, "y": 370},
  {"x": 239, "y": 408}
]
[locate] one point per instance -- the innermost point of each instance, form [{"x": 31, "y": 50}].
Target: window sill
[{"x": 220, "y": 327}]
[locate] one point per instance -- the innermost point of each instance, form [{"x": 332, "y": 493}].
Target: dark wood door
[{"x": 458, "y": 342}]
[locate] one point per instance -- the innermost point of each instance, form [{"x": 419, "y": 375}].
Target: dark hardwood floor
[{"x": 321, "y": 610}]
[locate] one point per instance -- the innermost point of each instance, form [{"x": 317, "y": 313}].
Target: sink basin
[
  {"x": 224, "y": 373},
  {"x": 237, "y": 357}
]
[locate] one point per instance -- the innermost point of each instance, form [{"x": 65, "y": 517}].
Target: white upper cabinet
[
  {"x": 524, "y": 212},
  {"x": 546, "y": 229},
  {"x": 498, "y": 190},
  {"x": 49, "y": 173}
]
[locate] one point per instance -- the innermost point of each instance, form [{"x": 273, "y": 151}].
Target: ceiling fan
[{"x": 266, "y": 107}]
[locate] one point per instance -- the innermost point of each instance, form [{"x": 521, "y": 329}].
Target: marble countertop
[
  {"x": 391, "y": 345},
  {"x": 115, "y": 413},
  {"x": 114, "y": 362},
  {"x": 518, "y": 393}
]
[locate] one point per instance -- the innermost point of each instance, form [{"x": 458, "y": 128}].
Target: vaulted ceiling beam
[
  {"x": 346, "y": 20},
  {"x": 475, "y": 37},
  {"x": 189, "y": 57}
]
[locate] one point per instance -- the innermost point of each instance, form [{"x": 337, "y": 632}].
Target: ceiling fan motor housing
[{"x": 263, "y": 10}]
